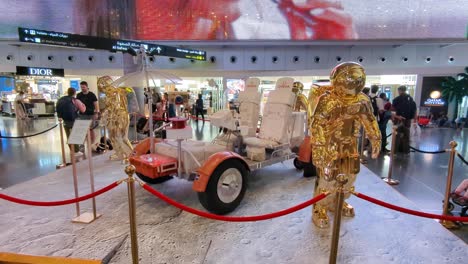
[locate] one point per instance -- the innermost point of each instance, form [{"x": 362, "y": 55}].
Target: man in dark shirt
[
  {"x": 405, "y": 110},
  {"x": 89, "y": 99},
  {"x": 199, "y": 108}
]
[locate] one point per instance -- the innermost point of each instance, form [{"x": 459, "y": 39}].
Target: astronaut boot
[
  {"x": 348, "y": 210},
  {"x": 320, "y": 217}
]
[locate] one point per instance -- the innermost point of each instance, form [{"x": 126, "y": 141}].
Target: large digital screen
[{"x": 178, "y": 20}]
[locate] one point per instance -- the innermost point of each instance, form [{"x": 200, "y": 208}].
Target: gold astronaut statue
[
  {"x": 301, "y": 100},
  {"x": 117, "y": 119},
  {"x": 337, "y": 113}
]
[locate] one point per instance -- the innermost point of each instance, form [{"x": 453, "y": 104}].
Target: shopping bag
[{"x": 415, "y": 131}]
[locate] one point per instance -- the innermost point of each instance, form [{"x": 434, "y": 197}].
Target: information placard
[{"x": 79, "y": 132}]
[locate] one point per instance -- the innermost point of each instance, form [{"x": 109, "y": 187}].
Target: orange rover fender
[
  {"x": 205, "y": 171},
  {"x": 143, "y": 147},
  {"x": 305, "y": 150}
]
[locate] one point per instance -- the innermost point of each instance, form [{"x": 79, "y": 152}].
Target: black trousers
[{"x": 199, "y": 111}]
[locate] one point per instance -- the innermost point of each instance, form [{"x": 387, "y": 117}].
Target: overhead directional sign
[{"x": 45, "y": 37}]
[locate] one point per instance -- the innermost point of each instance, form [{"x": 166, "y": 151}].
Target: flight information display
[{"x": 45, "y": 37}]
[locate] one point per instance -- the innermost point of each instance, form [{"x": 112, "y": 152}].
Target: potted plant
[{"x": 455, "y": 88}]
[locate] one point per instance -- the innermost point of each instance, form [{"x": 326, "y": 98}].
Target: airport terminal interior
[{"x": 234, "y": 131}]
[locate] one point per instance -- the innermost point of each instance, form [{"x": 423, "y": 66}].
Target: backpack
[
  {"x": 66, "y": 109},
  {"x": 375, "y": 108},
  {"x": 408, "y": 107}
]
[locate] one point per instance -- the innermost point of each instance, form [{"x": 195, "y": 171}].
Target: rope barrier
[
  {"x": 197, "y": 118},
  {"x": 47, "y": 130},
  {"x": 428, "y": 152},
  {"x": 63, "y": 202},
  {"x": 462, "y": 159},
  {"x": 409, "y": 211},
  {"x": 234, "y": 218}
]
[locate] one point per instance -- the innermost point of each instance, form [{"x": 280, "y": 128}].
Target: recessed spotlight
[
  {"x": 360, "y": 59},
  {"x": 338, "y": 58},
  {"x": 172, "y": 60},
  {"x": 111, "y": 58},
  {"x": 253, "y": 59},
  {"x": 274, "y": 59},
  {"x": 316, "y": 59},
  {"x": 91, "y": 58},
  {"x": 404, "y": 59},
  {"x": 71, "y": 58},
  {"x": 50, "y": 58},
  {"x": 451, "y": 59},
  {"x": 296, "y": 59},
  {"x": 30, "y": 57},
  {"x": 151, "y": 59},
  {"x": 233, "y": 59},
  {"x": 212, "y": 59},
  {"x": 383, "y": 59},
  {"x": 10, "y": 57},
  {"x": 428, "y": 59}
]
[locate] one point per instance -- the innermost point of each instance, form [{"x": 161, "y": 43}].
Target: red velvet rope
[
  {"x": 409, "y": 211},
  {"x": 234, "y": 218},
  {"x": 57, "y": 203}
]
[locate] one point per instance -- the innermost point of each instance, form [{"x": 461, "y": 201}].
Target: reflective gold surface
[
  {"x": 302, "y": 103},
  {"x": 117, "y": 120},
  {"x": 337, "y": 113}
]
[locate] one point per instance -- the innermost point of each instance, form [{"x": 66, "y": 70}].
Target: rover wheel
[
  {"x": 153, "y": 180},
  {"x": 451, "y": 206},
  {"x": 298, "y": 164},
  {"x": 226, "y": 187}
]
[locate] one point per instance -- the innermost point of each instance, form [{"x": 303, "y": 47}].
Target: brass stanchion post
[
  {"x": 135, "y": 134},
  {"x": 363, "y": 143},
  {"x": 130, "y": 170},
  {"x": 448, "y": 187},
  {"x": 342, "y": 179},
  {"x": 75, "y": 177},
  {"x": 62, "y": 145},
  {"x": 389, "y": 179}
]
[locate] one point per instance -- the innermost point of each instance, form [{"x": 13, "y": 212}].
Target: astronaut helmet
[
  {"x": 348, "y": 78},
  {"x": 298, "y": 87}
]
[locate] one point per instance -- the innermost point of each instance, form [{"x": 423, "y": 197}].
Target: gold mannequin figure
[
  {"x": 338, "y": 111},
  {"x": 301, "y": 99},
  {"x": 117, "y": 121}
]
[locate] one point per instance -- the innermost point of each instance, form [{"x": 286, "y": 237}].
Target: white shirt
[{"x": 380, "y": 102}]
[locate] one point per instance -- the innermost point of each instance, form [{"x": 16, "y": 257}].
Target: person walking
[
  {"x": 89, "y": 99},
  {"x": 384, "y": 116},
  {"x": 199, "y": 108},
  {"x": 67, "y": 109},
  {"x": 405, "y": 110}
]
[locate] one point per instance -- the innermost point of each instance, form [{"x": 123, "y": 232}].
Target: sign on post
[{"x": 79, "y": 132}]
